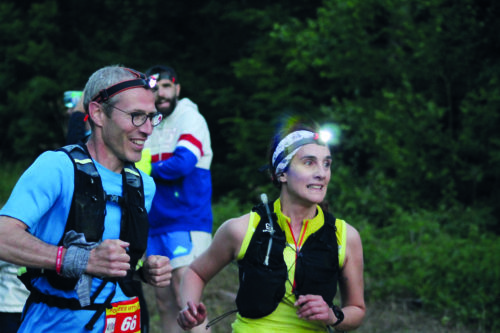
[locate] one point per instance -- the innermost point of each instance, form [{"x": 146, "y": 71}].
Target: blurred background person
[
  {"x": 179, "y": 155},
  {"x": 13, "y": 295},
  {"x": 78, "y": 126}
]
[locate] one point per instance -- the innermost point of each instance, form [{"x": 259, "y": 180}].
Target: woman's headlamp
[
  {"x": 141, "y": 81},
  {"x": 324, "y": 136},
  {"x": 330, "y": 134}
]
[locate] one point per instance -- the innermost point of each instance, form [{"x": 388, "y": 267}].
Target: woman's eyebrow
[{"x": 329, "y": 157}]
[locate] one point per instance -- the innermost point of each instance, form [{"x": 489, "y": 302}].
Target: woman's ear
[
  {"x": 282, "y": 178},
  {"x": 96, "y": 113}
]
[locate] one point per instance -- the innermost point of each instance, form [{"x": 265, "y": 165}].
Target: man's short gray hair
[{"x": 102, "y": 79}]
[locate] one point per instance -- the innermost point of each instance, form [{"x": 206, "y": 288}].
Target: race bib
[{"x": 124, "y": 317}]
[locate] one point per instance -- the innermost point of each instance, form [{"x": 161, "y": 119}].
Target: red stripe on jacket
[
  {"x": 188, "y": 137},
  {"x": 161, "y": 157}
]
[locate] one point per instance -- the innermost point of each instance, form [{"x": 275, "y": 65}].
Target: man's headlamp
[
  {"x": 141, "y": 81},
  {"x": 71, "y": 98}
]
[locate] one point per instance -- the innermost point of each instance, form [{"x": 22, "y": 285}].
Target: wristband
[
  {"x": 75, "y": 261},
  {"x": 338, "y": 313},
  {"x": 59, "y": 260}
]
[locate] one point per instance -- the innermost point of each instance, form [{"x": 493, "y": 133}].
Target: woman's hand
[
  {"x": 313, "y": 307},
  {"x": 192, "y": 315}
]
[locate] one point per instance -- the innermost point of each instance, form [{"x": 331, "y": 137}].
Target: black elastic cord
[
  {"x": 107, "y": 304},
  {"x": 219, "y": 318}
]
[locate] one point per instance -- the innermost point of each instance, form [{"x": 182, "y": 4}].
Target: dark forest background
[{"x": 413, "y": 86}]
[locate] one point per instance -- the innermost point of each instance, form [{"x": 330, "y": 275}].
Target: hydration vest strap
[
  {"x": 36, "y": 296},
  {"x": 100, "y": 310},
  {"x": 114, "y": 198},
  {"x": 82, "y": 160}
]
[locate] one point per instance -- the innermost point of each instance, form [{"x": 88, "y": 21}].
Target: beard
[{"x": 166, "y": 111}]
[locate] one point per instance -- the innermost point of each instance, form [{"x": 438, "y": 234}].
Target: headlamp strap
[
  {"x": 141, "y": 81},
  {"x": 294, "y": 146}
]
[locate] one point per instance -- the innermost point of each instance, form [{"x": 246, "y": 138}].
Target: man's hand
[
  {"x": 157, "y": 271},
  {"x": 109, "y": 259},
  {"x": 192, "y": 315}
]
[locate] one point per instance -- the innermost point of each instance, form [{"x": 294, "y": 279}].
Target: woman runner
[{"x": 291, "y": 260}]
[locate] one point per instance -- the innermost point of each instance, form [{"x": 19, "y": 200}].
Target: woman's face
[{"x": 308, "y": 175}]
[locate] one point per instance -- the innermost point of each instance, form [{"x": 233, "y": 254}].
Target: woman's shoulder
[
  {"x": 236, "y": 226},
  {"x": 234, "y": 229},
  {"x": 229, "y": 236},
  {"x": 354, "y": 247},
  {"x": 352, "y": 232}
]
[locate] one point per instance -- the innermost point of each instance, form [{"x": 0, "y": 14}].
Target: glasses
[{"x": 139, "y": 118}]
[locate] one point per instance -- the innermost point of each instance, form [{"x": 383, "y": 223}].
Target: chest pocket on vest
[
  {"x": 261, "y": 287},
  {"x": 317, "y": 267}
]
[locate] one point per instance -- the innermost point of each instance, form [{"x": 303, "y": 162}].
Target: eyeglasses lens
[{"x": 140, "y": 119}]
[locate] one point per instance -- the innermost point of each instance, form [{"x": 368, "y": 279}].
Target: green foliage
[
  {"x": 413, "y": 85},
  {"x": 10, "y": 174},
  {"x": 227, "y": 208},
  {"x": 391, "y": 144},
  {"x": 417, "y": 258}
]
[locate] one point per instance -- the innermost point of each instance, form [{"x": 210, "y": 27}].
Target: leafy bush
[
  {"x": 226, "y": 208},
  {"x": 452, "y": 275},
  {"x": 10, "y": 174}
]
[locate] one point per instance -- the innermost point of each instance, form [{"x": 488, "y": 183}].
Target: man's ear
[
  {"x": 96, "y": 113},
  {"x": 177, "y": 89}
]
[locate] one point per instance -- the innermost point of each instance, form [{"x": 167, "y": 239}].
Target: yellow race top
[{"x": 284, "y": 318}]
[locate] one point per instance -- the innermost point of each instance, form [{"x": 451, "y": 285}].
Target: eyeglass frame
[{"x": 132, "y": 115}]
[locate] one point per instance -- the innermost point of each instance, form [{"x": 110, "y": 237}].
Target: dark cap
[{"x": 160, "y": 72}]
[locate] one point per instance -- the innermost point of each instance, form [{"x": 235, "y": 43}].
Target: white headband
[{"x": 289, "y": 146}]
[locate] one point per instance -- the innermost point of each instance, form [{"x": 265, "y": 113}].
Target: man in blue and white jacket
[{"x": 181, "y": 215}]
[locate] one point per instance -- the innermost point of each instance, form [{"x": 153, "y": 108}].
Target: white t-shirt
[{"x": 13, "y": 293}]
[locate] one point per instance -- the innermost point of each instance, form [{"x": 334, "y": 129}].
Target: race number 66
[{"x": 130, "y": 323}]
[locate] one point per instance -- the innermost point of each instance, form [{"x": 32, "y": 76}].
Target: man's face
[
  {"x": 166, "y": 93},
  {"x": 122, "y": 140}
]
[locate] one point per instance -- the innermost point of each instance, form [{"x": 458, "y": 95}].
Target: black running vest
[
  {"x": 87, "y": 212},
  {"x": 263, "y": 287}
]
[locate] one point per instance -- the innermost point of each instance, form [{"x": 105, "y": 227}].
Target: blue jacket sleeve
[{"x": 182, "y": 163}]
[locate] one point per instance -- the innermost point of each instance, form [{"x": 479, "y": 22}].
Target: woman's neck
[{"x": 297, "y": 212}]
